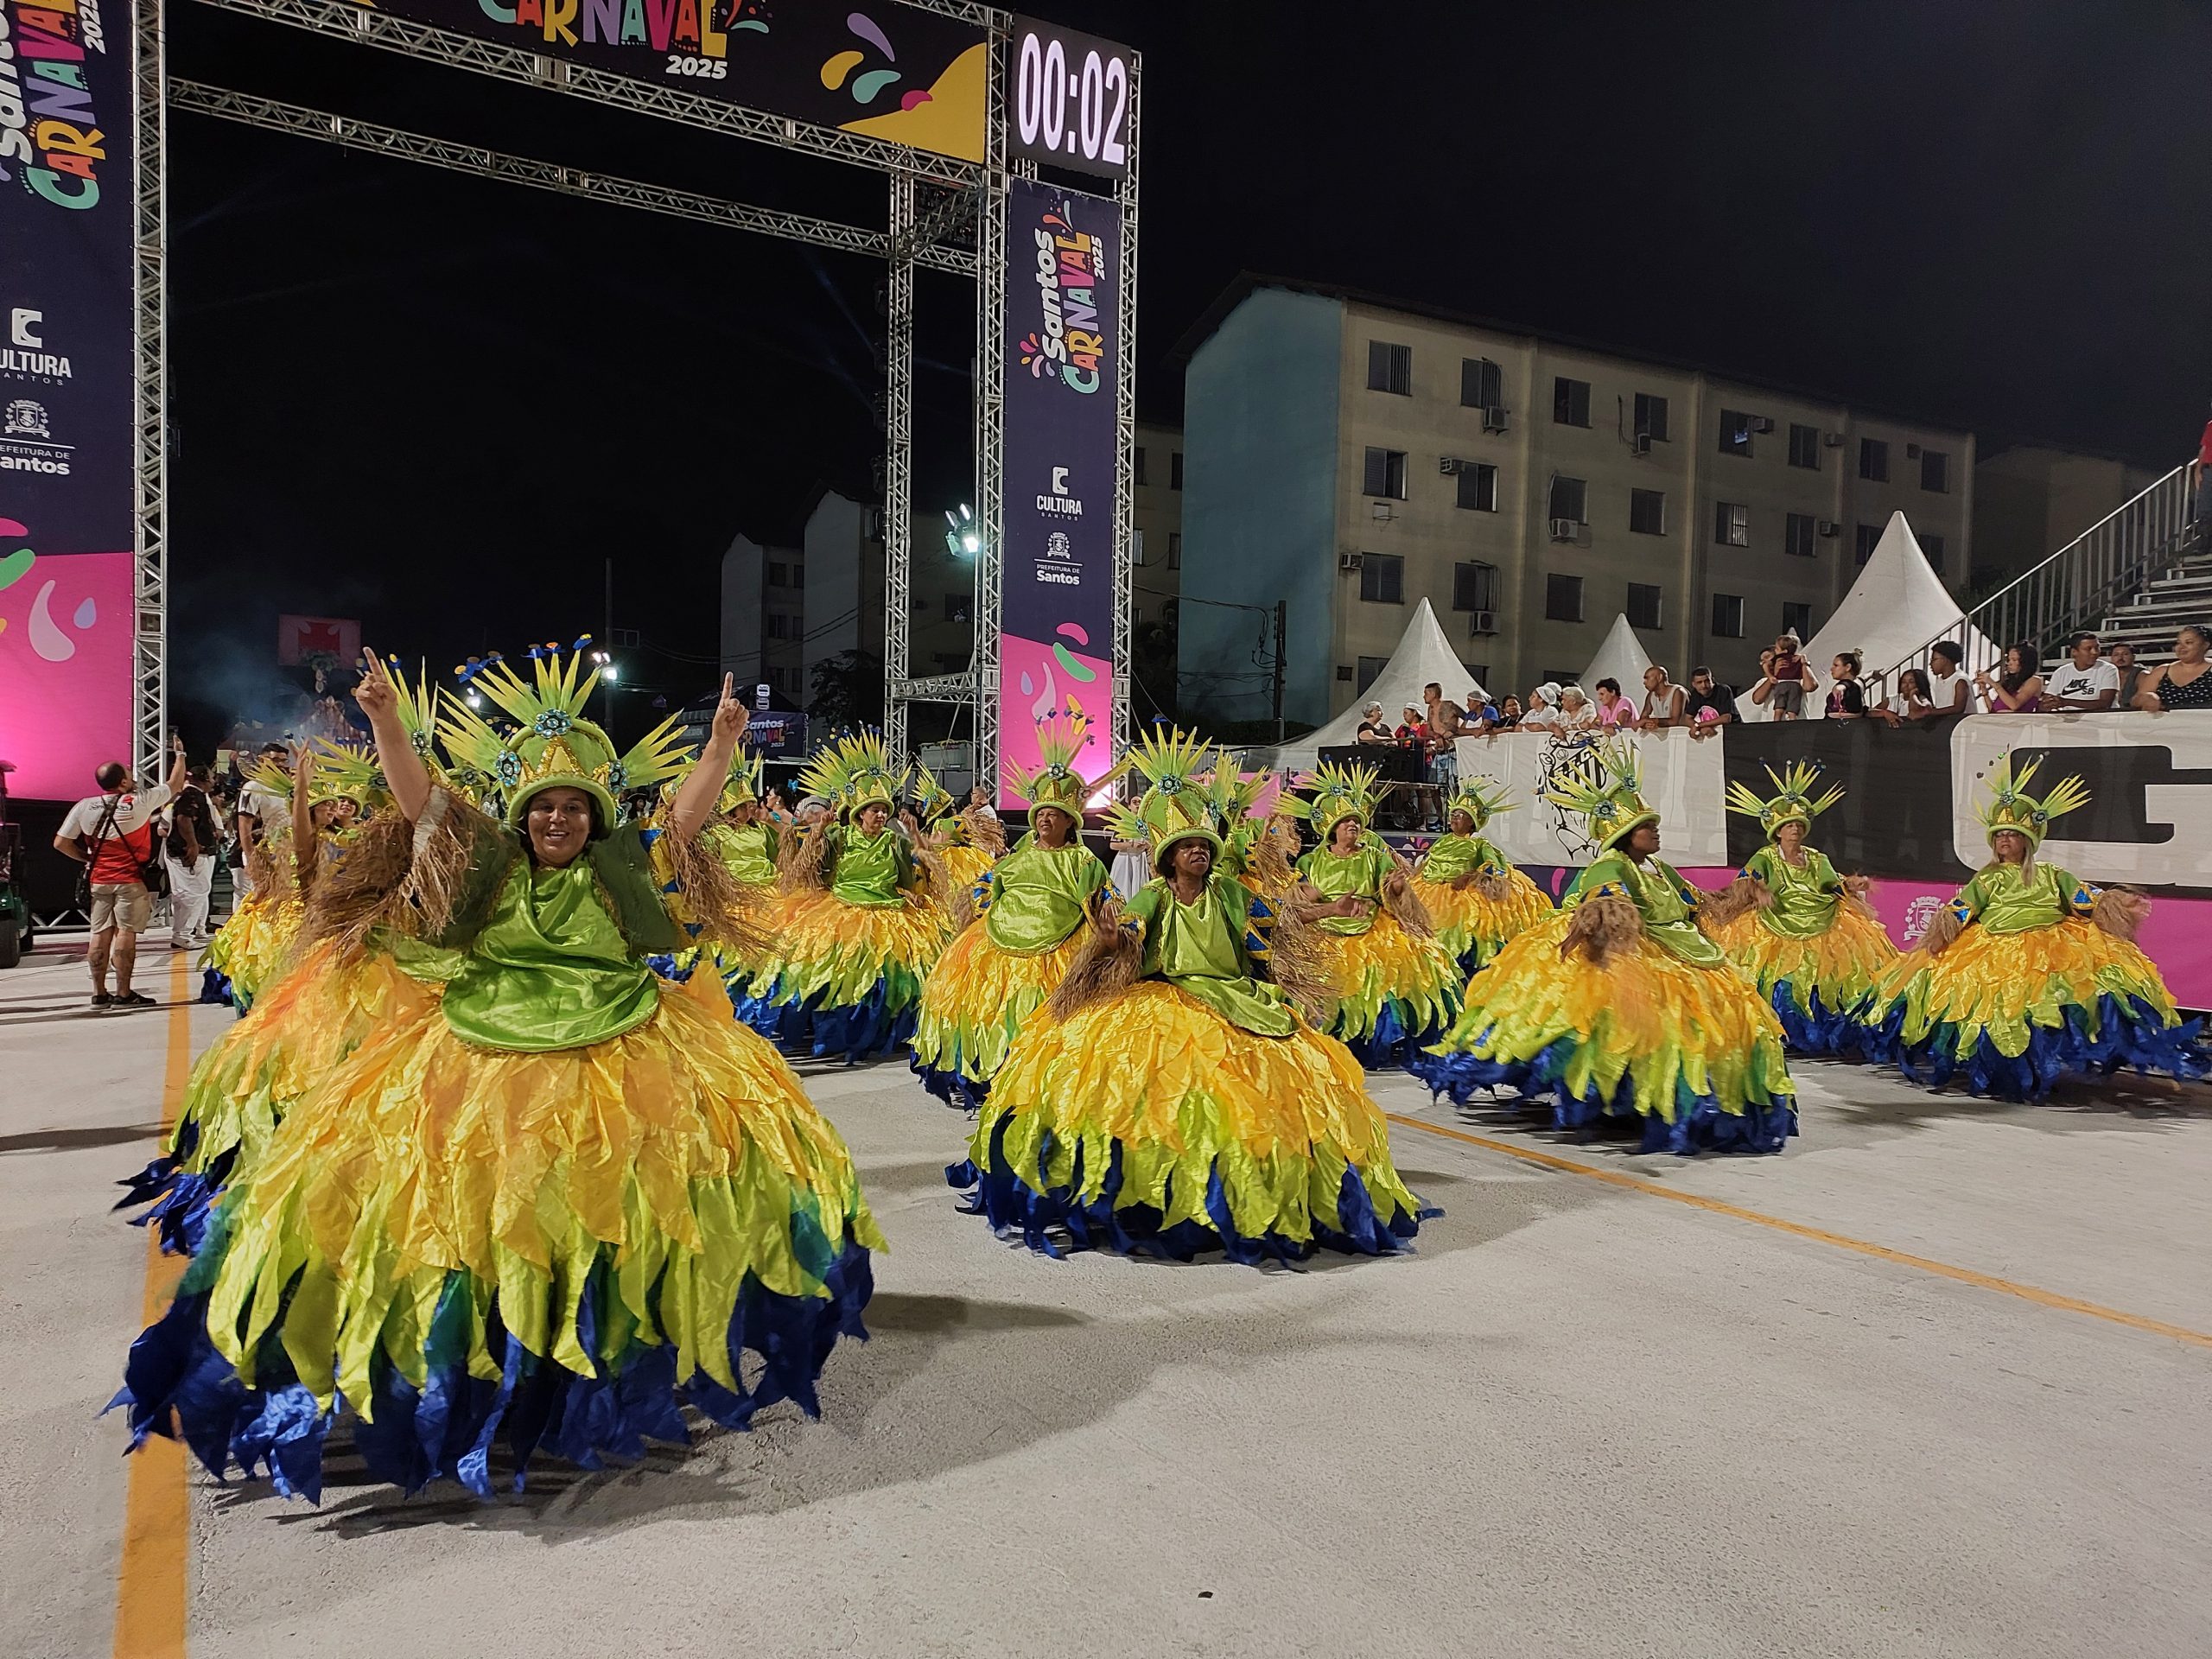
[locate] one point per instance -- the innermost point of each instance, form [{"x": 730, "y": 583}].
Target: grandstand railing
[{"x": 2091, "y": 576}]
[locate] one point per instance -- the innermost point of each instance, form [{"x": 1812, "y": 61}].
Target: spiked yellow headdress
[
  {"x": 745, "y": 774},
  {"x": 1607, "y": 794},
  {"x": 1481, "y": 799},
  {"x": 1330, "y": 794},
  {"x": 932, "y": 800},
  {"x": 854, "y": 772},
  {"x": 1056, "y": 782},
  {"x": 2011, "y": 806},
  {"x": 552, "y": 745},
  {"x": 348, "y": 772},
  {"x": 1179, "y": 804},
  {"x": 1230, "y": 797},
  {"x": 1791, "y": 803}
]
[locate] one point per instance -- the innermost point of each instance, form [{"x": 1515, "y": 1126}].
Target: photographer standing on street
[{"x": 112, "y": 834}]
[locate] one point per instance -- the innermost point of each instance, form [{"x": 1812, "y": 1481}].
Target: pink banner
[{"x": 65, "y": 666}]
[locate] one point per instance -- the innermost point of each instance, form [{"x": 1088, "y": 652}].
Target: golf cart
[{"x": 15, "y": 909}]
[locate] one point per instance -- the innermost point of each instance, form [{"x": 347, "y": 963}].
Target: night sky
[{"x": 439, "y": 403}]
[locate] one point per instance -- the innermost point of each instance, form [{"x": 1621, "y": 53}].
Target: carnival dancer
[
  {"x": 1398, "y": 987},
  {"x": 555, "y": 1210},
  {"x": 258, "y": 933},
  {"x": 1617, "y": 1006},
  {"x": 743, "y": 836},
  {"x": 1802, "y": 932},
  {"x": 843, "y": 973},
  {"x": 2029, "y": 974},
  {"x": 969, "y": 838},
  {"x": 1167, "y": 1099},
  {"x": 1473, "y": 894},
  {"x": 1034, "y": 902},
  {"x": 313, "y": 1013}
]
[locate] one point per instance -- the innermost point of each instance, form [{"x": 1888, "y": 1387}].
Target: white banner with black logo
[{"x": 1684, "y": 781}]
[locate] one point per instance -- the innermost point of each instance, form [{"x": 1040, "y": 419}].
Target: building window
[
  {"x": 1174, "y": 550},
  {"x": 779, "y": 576},
  {"x": 1735, "y": 432},
  {"x": 1797, "y": 619},
  {"x": 1797, "y": 533},
  {"x": 1570, "y": 401},
  {"x": 1389, "y": 368},
  {"x": 1386, "y": 474},
  {"x": 1650, "y": 417},
  {"x": 1474, "y": 586},
  {"x": 1370, "y": 667},
  {"x": 1383, "y": 578},
  {"x": 958, "y": 608},
  {"x": 1874, "y": 460},
  {"x": 1175, "y": 471},
  {"x": 1137, "y": 471},
  {"x": 1479, "y": 672},
  {"x": 1478, "y": 486},
  {"x": 1935, "y": 471},
  {"x": 1647, "y": 511},
  {"x": 1933, "y": 547},
  {"x": 1643, "y": 605},
  {"x": 1732, "y": 524},
  {"x": 1563, "y": 599},
  {"x": 780, "y": 628},
  {"x": 1482, "y": 384},
  {"x": 1869, "y": 536},
  {"x": 1805, "y": 447},
  {"x": 1727, "y": 616},
  {"x": 1569, "y": 501}
]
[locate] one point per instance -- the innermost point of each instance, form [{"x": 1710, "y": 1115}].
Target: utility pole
[{"x": 1282, "y": 651}]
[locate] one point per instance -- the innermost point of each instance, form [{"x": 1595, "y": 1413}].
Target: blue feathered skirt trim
[
  {"x": 215, "y": 987},
  {"x": 182, "y": 1200},
  {"x": 1819, "y": 1029},
  {"x": 1391, "y": 1045},
  {"x": 454, "y": 1425},
  {"x": 865, "y": 1030},
  {"x": 953, "y": 1087},
  {"x": 2120, "y": 1032},
  {"x": 1698, "y": 1125},
  {"x": 1057, "y": 1221}
]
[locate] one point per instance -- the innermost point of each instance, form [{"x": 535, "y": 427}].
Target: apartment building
[
  {"x": 1352, "y": 455},
  {"x": 1156, "y": 515}
]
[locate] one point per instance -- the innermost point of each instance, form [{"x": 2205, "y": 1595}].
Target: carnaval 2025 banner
[
  {"x": 1063, "y": 358},
  {"x": 882, "y": 69}
]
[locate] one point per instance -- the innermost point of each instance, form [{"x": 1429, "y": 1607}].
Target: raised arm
[
  {"x": 695, "y": 802},
  {"x": 404, "y": 774},
  {"x": 304, "y": 846}
]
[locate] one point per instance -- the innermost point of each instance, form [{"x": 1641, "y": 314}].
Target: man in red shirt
[{"x": 113, "y": 832}]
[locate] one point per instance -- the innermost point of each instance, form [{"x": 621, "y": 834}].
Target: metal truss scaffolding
[{"x": 945, "y": 215}]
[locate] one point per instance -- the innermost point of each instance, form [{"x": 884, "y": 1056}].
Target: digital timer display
[{"x": 1074, "y": 99}]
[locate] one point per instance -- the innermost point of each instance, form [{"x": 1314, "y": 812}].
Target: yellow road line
[
  {"x": 150, "y": 1584},
  {"x": 1818, "y": 1234}
]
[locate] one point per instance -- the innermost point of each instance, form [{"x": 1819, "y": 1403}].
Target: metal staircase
[{"x": 2136, "y": 575}]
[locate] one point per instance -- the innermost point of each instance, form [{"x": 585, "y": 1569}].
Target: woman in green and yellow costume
[
  {"x": 853, "y": 942},
  {"x": 556, "y": 1209},
  {"x": 1398, "y": 987},
  {"x": 313, "y": 1015},
  {"x": 1618, "y": 1006},
  {"x": 252, "y": 943},
  {"x": 743, "y": 836},
  {"x": 1168, "y": 1098},
  {"x": 2029, "y": 974},
  {"x": 969, "y": 838},
  {"x": 1003, "y": 963},
  {"x": 1802, "y": 932},
  {"x": 1472, "y": 893}
]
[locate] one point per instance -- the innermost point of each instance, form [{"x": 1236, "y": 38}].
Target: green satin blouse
[
  {"x": 870, "y": 869},
  {"x": 1805, "y": 896},
  {"x": 1999, "y": 899},
  {"x": 1360, "y": 872},
  {"x": 1199, "y": 948},
  {"x": 1035, "y": 896},
  {"x": 550, "y": 970},
  {"x": 1451, "y": 856},
  {"x": 1665, "y": 900},
  {"x": 748, "y": 850}
]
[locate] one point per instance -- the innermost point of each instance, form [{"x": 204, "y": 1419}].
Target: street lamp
[{"x": 963, "y": 537}]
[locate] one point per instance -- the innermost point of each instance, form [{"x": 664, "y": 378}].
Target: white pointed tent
[
  {"x": 1895, "y": 607},
  {"x": 1621, "y": 657},
  {"x": 1423, "y": 654}
]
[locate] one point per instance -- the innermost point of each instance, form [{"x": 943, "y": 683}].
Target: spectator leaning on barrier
[
  {"x": 2186, "y": 682},
  {"x": 1543, "y": 714},
  {"x": 1614, "y": 710},
  {"x": 2085, "y": 684},
  {"x": 2018, "y": 689},
  {"x": 112, "y": 834},
  {"x": 2126, "y": 671},
  {"x": 1373, "y": 728},
  {"x": 1709, "y": 705},
  {"x": 1508, "y": 715},
  {"x": 1576, "y": 712},
  {"x": 1846, "y": 698},
  {"x": 1444, "y": 717},
  {"x": 1664, "y": 702},
  {"x": 1788, "y": 681},
  {"x": 1947, "y": 690},
  {"x": 1913, "y": 705}
]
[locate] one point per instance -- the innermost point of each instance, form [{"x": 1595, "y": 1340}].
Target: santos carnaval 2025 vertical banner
[{"x": 1062, "y": 362}]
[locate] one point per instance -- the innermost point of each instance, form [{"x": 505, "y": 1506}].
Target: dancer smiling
[
  {"x": 1168, "y": 1098},
  {"x": 562, "y": 1205}
]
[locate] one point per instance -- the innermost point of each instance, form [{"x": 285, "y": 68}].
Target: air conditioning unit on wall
[
  {"x": 1494, "y": 418},
  {"x": 1347, "y": 562},
  {"x": 1481, "y": 622}
]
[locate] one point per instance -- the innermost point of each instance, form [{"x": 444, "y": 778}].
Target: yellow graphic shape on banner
[{"x": 949, "y": 121}]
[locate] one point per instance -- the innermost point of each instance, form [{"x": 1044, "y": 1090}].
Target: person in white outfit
[{"x": 192, "y": 851}]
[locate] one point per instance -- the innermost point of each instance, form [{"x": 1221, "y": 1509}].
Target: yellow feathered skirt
[
  {"x": 839, "y": 978},
  {"x": 977, "y": 998},
  {"x": 1471, "y": 925},
  {"x": 1816, "y": 985},
  {"x": 577, "y": 1244},
  {"x": 1147, "y": 1121},
  {"x": 1396, "y": 992},
  {"x": 1696, "y": 1053},
  {"x": 250, "y": 949}
]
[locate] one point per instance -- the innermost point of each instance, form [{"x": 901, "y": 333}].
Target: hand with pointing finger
[{"x": 730, "y": 716}]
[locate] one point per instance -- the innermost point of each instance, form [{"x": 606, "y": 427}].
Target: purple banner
[
  {"x": 1063, "y": 363},
  {"x": 67, "y": 183}
]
